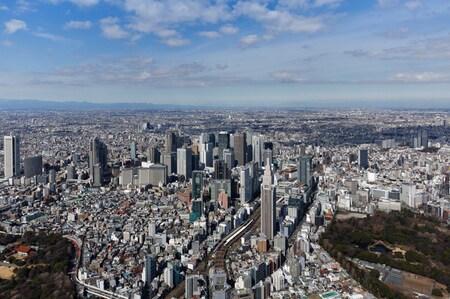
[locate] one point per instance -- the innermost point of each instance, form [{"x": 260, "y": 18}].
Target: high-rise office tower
[
  {"x": 224, "y": 142},
  {"x": 422, "y": 138},
  {"x": 12, "y": 156},
  {"x": 206, "y": 154},
  {"x": 245, "y": 183},
  {"x": 168, "y": 275},
  {"x": 197, "y": 184},
  {"x": 221, "y": 170},
  {"x": 184, "y": 162},
  {"x": 133, "y": 151},
  {"x": 228, "y": 156},
  {"x": 171, "y": 141},
  {"x": 195, "y": 160},
  {"x": 149, "y": 271},
  {"x": 192, "y": 286},
  {"x": 257, "y": 145},
  {"x": 153, "y": 154},
  {"x": 240, "y": 148},
  {"x": 212, "y": 139},
  {"x": 363, "y": 158},
  {"x": 71, "y": 172},
  {"x": 268, "y": 205},
  {"x": 169, "y": 159},
  {"x": 202, "y": 138},
  {"x": 304, "y": 169},
  {"x": 97, "y": 180},
  {"x": 98, "y": 157},
  {"x": 32, "y": 166}
]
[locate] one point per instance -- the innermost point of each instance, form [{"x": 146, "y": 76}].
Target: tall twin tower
[{"x": 12, "y": 156}]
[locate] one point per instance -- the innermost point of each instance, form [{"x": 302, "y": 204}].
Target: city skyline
[{"x": 238, "y": 53}]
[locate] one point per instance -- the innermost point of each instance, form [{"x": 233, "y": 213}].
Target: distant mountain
[{"x": 73, "y": 105}]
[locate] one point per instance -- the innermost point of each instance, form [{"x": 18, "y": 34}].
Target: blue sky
[{"x": 241, "y": 52}]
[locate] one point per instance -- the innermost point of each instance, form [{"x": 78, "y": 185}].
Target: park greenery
[
  {"x": 424, "y": 240},
  {"x": 43, "y": 274}
]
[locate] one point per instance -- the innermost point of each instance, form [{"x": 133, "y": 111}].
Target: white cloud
[
  {"x": 78, "y": 25},
  {"x": 111, "y": 29},
  {"x": 280, "y": 20},
  {"x": 85, "y": 3},
  {"x": 140, "y": 71},
  {"x": 176, "y": 41},
  {"x": 413, "y": 4},
  {"x": 209, "y": 34},
  {"x": 331, "y": 3},
  {"x": 229, "y": 29},
  {"x": 307, "y": 4},
  {"x": 3, "y": 7},
  {"x": 293, "y": 4},
  {"x": 249, "y": 40},
  {"x": 23, "y": 6},
  {"x": 431, "y": 48},
  {"x": 7, "y": 43},
  {"x": 165, "y": 33},
  {"x": 401, "y": 33},
  {"x": 420, "y": 77},
  {"x": 288, "y": 77},
  {"x": 152, "y": 15},
  {"x": 267, "y": 37},
  {"x": 52, "y": 37},
  {"x": 15, "y": 25},
  {"x": 387, "y": 3}
]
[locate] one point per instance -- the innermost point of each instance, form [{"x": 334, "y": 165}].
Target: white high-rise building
[
  {"x": 203, "y": 138},
  {"x": 206, "y": 154},
  {"x": 184, "y": 162},
  {"x": 12, "y": 156},
  {"x": 268, "y": 205},
  {"x": 168, "y": 275},
  {"x": 278, "y": 280},
  {"x": 257, "y": 144}
]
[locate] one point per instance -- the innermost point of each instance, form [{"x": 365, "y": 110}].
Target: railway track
[{"x": 219, "y": 254}]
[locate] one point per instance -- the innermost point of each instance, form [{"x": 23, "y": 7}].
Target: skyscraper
[
  {"x": 363, "y": 158},
  {"x": 12, "y": 156},
  {"x": 224, "y": 142},
  {"x": 149, "y": 270},
  {"x": 133, "y": 151},
  {"x": 206, "y": 154},
  {"x": 257, "y": 145},
  {"x": 184, "y": 162},
  {"x": 32, "y": 166},
  {"x": 153, "y": 154},
  {"x": 221, "y": 170},
  {"x": 228, "y": 156},
  {"x": 169, "y": 159},
  {"x": 240, "y": 148},
  {"x": 268, "y": 205},
  {"x": 245, "y": 182},
  {"x": 197, "y": 184},
  {"x": 171, "y": 141},
  {"x": 98, "y": 157},
  {"x": 304, "y": 170},
  {"x": 422, "y": 138},
  {"x": 192, "y": 287}
]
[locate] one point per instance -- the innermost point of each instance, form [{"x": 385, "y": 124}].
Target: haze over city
[{"x": 385, "y": 52}]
